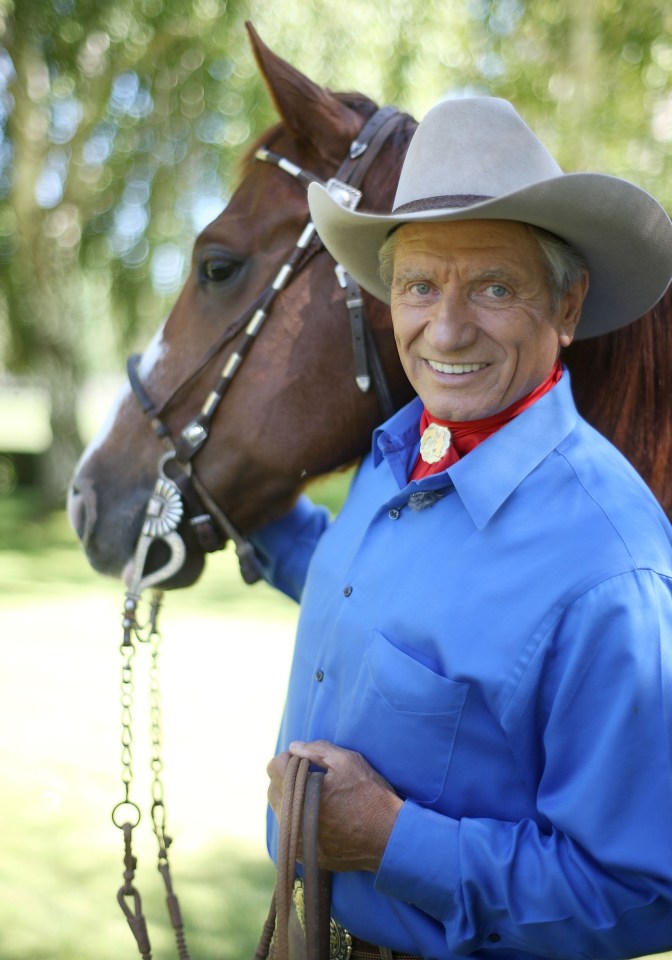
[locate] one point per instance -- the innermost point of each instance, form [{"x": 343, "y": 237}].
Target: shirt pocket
[{"x": 403, "y": 717}]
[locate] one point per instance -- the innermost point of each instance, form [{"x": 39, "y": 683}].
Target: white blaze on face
[
  {"x": 150, "y": 358},
  {"x": 152, "y": 355}
]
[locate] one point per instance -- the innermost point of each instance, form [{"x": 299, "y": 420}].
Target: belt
[
  {"x": 342, "y": 944},
  {"x": 361, "y": 950}
]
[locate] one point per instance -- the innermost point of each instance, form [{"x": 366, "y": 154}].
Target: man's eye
[
  {"x": 497, "y": 290},
  {"x": 421, "y": 288}
]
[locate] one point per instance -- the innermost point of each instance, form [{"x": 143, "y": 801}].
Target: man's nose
[{"x": 451, "y": 327}]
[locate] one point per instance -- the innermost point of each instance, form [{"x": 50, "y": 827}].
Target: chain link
[
  {"x": 158, "y": 810},
  {"x": 126, "y": 699},
  {"x": 126, "y": 814}
]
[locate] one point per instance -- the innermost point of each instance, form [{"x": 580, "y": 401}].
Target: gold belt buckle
[{"x": 340, "y": 941}]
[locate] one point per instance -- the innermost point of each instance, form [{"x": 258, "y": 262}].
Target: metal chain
[
  {"x": 158, "y": 809},
  {"x": 127, "y": 689},
  {"x": 156, "y": 761},
  {"x": 126, "y": 814}
]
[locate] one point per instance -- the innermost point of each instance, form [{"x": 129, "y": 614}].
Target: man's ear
[{"x": 569, "y": 312}]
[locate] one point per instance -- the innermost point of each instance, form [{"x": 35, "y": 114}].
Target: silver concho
[
  {"x": 345, "y": 194},
  {"x": 435, "y": 443},
  {"x": 164, "y": 510}
]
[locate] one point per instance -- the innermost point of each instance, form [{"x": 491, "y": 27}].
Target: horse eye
[{"x": 219, "y": 269}]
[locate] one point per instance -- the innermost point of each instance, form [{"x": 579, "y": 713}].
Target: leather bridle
[{"x": 209, "y": 523}]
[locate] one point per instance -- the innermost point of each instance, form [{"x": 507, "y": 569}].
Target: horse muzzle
[{"x": 110, "y": 532}]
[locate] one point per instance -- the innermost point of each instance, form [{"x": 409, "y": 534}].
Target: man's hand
[{"x": 358, "y": 807}]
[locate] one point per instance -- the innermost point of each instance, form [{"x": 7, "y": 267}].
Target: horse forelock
[{"x": 358, "y": 102}]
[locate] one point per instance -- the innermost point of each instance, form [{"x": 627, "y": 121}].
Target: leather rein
[{"x": 177, "y": 477}]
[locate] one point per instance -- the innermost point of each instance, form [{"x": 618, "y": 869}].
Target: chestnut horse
[{"x": 294, "y": 410}]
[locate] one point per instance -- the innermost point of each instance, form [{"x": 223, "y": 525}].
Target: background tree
[
  {"x": 120, "y": 122},
  {"x": 116, "y": 127}
]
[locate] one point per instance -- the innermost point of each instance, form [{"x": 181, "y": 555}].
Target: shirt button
[
  {"x": 347, "y": 590},
  {"x": 319, "y": 676},
  {"x": 494, "y": 937},
  {"x": 394, "y": 514}
]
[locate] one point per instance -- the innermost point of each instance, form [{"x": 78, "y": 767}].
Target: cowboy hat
[{"x": 476, "y": 159}]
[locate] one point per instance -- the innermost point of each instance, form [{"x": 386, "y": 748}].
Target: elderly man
[{"x": 483, "y": 662}]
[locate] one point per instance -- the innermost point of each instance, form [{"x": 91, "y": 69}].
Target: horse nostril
[{"x": 78, "y": 512}]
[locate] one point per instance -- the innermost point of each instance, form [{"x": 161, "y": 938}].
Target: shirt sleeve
[
  {"x": 286, "y": 546},
  {"x": 592, "y": 874}
]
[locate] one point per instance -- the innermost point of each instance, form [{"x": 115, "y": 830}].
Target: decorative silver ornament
[
  {"x": 434, "y": 443},
  {"x": 164, "y": 510}
]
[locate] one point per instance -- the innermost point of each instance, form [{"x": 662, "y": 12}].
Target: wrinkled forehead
[{"x": 507, "y": 240}]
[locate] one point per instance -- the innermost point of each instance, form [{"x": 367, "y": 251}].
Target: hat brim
[{"x": 624, "y": 235}]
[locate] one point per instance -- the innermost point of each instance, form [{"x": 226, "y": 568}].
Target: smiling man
[{"x": 483, "y": 663}]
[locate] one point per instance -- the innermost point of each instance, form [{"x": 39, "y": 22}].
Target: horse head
[{"x": 294, "y": 410}]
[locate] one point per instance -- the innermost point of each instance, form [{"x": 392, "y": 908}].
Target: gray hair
[{"x": 563, "y": 263}]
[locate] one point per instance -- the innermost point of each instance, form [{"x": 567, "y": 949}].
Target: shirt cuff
[
  {"x": 421, "y": 861},
  {"x": 286, "y": 545}
]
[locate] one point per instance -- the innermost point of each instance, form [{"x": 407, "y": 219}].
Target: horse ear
[{"x": 310, "y": 113}]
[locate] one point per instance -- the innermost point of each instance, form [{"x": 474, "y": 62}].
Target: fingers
[
  {"x": 322, "y": 753},
  {"x": 277, "y": 770},
  {"x": 358, "y": 807}
]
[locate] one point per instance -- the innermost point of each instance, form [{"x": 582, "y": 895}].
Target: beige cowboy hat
[{"x": 475, "y": 159}]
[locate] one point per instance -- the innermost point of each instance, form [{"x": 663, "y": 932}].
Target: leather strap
[
  {"x": 369, "y": 140},
  {"x": 298, "y": 818},
  {"x": 317, "y": 883},
  {"x": 368, "y": 364},
  {"x": 362, "y": 950}
]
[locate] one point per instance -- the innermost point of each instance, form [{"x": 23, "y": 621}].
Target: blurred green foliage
[{"x": 121, "y": 122}]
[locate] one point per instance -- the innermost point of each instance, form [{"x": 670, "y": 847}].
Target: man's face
[{"x": 472, "y": 315}]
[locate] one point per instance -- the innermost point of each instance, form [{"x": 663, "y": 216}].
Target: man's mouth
[{"x": 456, "y": 367}]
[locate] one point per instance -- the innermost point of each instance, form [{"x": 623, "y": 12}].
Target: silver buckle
[
  {"x": 343, "y": 193},
  {"x": 340, "y": 941}
]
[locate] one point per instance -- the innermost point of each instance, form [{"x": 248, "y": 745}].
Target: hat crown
[{"x": 474, "y": 147}]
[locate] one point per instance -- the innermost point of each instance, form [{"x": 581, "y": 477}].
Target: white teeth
[{"x": 455, "y": 367}]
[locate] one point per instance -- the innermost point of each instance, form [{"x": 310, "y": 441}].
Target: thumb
[{"x": 319, "y": 752}]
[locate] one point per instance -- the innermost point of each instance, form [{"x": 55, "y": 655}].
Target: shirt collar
[{"x": 487, "y": 476}]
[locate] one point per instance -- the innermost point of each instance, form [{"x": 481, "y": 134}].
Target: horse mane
[{"x": 622, "y": 384}]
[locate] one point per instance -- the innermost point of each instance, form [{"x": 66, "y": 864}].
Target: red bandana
[{"x": 466, "y": 435}]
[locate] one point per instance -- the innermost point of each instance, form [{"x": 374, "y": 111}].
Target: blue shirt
[{"x": 504, "y": 659}]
